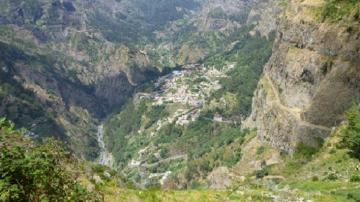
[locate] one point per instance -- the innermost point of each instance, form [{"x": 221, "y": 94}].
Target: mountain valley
[{"x": 180, "y": 100}]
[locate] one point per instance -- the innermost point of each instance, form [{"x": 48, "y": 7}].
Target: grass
[
  {"x": 315, "y": 186},
  {"x": 337, "y": 10},
  {"x": 323, "y": 176},
  {"x": 198, "y": 195},
  {"x": 327, "y": 191}
]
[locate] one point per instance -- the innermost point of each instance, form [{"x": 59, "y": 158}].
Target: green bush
[
  {"x": 305, "y": 151},
  {"x": 152, "y": 159},
  {"x": 336, "y": 10},
  {"x": 232, "y": 158},
  {"x": 36, "y": 172},
  {"x": 332, "y": 177},
  {"x": 315, "y": 178},
  {"x": 260, "y": 150},
  {"x": 355, "y": 178},
  {"x": 164, "y": 153},
  {"x": 354, "y": 196},
  {"x": 351, "y": 135},
  {"x": 261, "y": 173},
  {"x": 332, "y": 151},
  {"x": 217, "y": 13},
  {"x": 155, "y": 113},
  {"x": 205, "y": 166}
]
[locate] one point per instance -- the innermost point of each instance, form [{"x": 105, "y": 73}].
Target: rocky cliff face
[{"x": 312, "y": 77}]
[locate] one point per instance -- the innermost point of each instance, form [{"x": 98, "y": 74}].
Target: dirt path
[
  {"x": 296, "y": 112},
  {"x": 165, "y": 160}
]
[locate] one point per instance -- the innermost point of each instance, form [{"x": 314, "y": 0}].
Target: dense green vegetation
[
  {"x": 337, "y": 10},
  {"x": 207, "y": 145},
  {"x": 155, "y": 113},
  {"x": 249, "y": 56},
  {"x": 122, "y": 130},
  {"x": 351, "y": 137},
  {"x": 118, "y": 129},
  {"x": 36, "y": 172},
  {"x": 220, "y": 142},
  {"x": 18, "y": 104}
]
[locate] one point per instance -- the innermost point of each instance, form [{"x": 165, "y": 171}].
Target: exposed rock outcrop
[{"x": 312, "y": 77}]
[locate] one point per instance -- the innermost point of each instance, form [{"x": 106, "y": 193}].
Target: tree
[
  {"x": 351, "y": 135},
  {"x": 36, "y": 172}
]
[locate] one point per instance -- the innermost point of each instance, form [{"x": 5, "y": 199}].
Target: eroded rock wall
[{"x": 312, "y": 77}]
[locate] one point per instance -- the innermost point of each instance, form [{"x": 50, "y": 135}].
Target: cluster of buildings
[
  {"x": 181, "y": 87},
  {"x": 184, "y": 92}
]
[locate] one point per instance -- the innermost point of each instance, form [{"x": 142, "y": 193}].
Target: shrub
[
  {"x": 351, "y": 135},
  {"x": 164, "y": 153},
  {"x": 217, "y": 13},
  {"x": 261, "y": 173},
  {"x": 315, "y": 178},
  {"x": 354, "y": 196},
  {"x": 36, "y": 172},
  {"x": 205, "y": 166},
  {"x": 152, "y": 159},
  {"x": 232, "y": 157},
  {"x": 260, "y": 150},
  {"x": 332, "y": 151},
  {"x": 305, "y": 151},
  {"x": 355, "y": 178},
  {"x": 336, "y": 10},
  {"x": 332, "y": 177}
]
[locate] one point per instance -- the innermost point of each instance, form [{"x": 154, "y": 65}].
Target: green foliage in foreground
[
  {"x": 35, "y": 172},
  {"x": 351, "y": 135}
]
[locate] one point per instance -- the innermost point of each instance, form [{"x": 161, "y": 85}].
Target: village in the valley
[
  {"x": 187, "y": 88},
  {"x": 184, "y": 93}
]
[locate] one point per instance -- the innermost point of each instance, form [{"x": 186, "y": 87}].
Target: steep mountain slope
[{"x": 312, "y": 76}]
